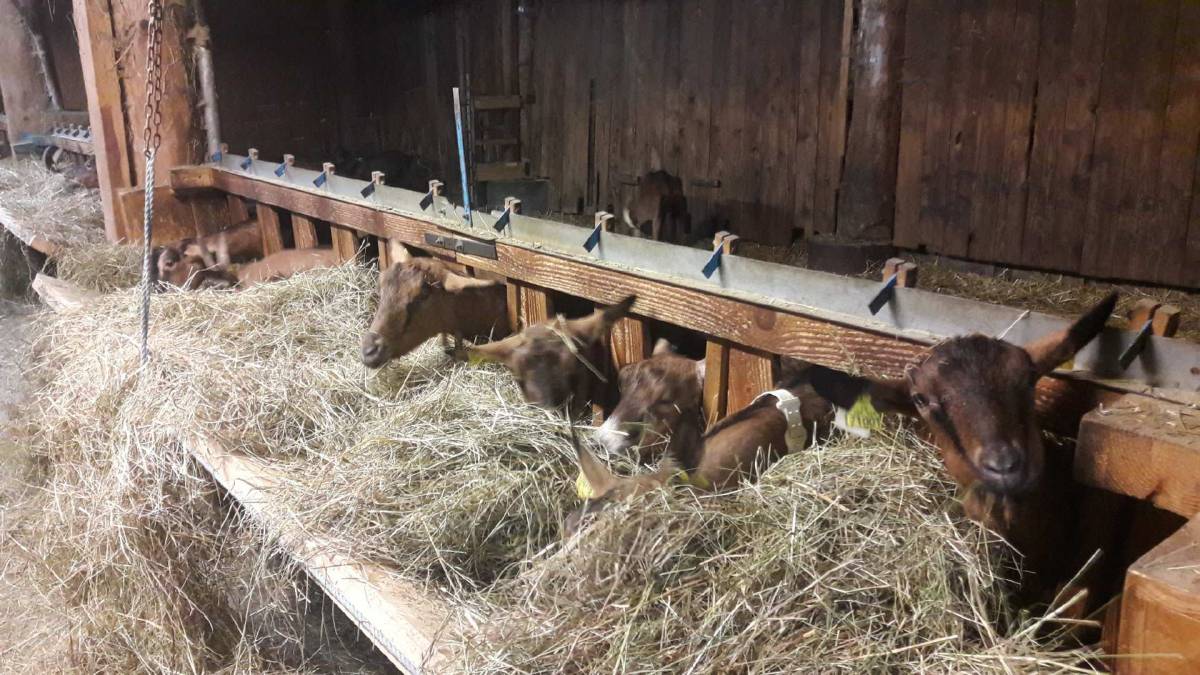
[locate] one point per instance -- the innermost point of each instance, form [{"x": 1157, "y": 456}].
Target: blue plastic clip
[
  {"x": 320, "y": 179},
  {"x": 216, "y": 157},
  {"x": 368, "y": 190},
  {"x": 511, "y": 205},
  {"x": 722, "y": 243},
  {"x": 1137, "y": 346},
  {"x": 435, "y": 189},
  {"x": 280, "y": 170},
  {"x": 247, "y": 163},
  {"x": 593, "y": 240},
  {"x": 251, "y": 156},
  {"x": 884, "y": 295},
  {"x": 714, "y": 262}
]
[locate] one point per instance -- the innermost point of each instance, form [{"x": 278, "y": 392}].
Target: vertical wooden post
[
  {"x": 1160, "y": 609},
  {"x": 304, "y": 231},
  {"x": 22, "y": 84},
  {"x": 750, "y": 374},
  {"x": 93, "y": 22},
  {"x": 385, "y": 260},
  {"x": 345, "y": 242},
  {"x": 867, "y": 193},
  {"x": 270, "y": 228},
  {"x": 536, "y": 305},
  {"x": 716, "y": 357},
  {"x": 629, "y": 341},
  {"x": 513, "y": 300}
]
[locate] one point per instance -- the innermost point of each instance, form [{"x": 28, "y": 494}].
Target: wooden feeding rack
[{"x": 753, "y": 312}]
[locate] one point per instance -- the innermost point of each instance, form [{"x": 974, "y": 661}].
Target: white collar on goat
[{"x": 789, "y": 405}]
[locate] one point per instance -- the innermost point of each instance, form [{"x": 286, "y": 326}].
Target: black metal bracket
[{"x": 481, "y": 249}]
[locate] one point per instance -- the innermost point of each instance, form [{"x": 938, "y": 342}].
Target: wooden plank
[
  {"x": 726, "y": 142},
  {"x": 536, "y": 305},
  {"x": 398, "y": 617},
  {"x": 173, "y": 218},
  {"x": 1069, "y": 63},
  {"x": 345, "y": 242},
  {"x": 1062, "y": 399},
  {"x": 270, "y": 228},
  {"x": 105, "y": 112},
  {"x": 750, "y": 374},
  {"x": 836, "y": 29},
  {"x": 1128, "y": 147},
  {"x": 808, "y": 76},
  {"x": 696, "y": 92},
  {"x": 629, "y": 341},
  {"x": 1160, "y": 608},
  {"x": 62, "y": 296},
  {"x": 1180, "y": 161},
  {"x": 304, "y": 231},
  {"x": 716, "y": 381},
  {"x": 504, "y": 102},
  {"x": 238, "y": 211},
  {"x": 1143, "y": 448},
  {"x": 513, "y": 305}
]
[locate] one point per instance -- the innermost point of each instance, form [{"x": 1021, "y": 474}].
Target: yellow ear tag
[
  {"x": 475, "y": 359},
  {"x": 583, "y": 489},
  {"x": 861, "y": 419}
]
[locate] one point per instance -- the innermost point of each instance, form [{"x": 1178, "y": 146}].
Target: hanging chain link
[{"x": 151, "y": 139}]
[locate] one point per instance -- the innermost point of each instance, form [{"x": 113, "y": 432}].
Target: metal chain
[{"x": 151, "y": 140}]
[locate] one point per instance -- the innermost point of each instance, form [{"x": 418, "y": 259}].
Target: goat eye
[{"x": 920, "y": 401}]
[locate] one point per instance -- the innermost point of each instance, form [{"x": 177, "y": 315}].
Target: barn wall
[{"x": 1054, "y": 135}]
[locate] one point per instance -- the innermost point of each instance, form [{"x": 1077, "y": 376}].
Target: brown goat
[
  {"x": 659, "y": 409},
  {"x": 169, "y": 267},
  {"x": 420, "y": 298},
  {"x": 239, "y": 243},
  {"x": 736, "y": 448},
  {"x": 284, "y": 264},
  {"x": 559, "y": 360},
  {"x": 658, "y": 209},
  {"x": 976, "y": 394}
]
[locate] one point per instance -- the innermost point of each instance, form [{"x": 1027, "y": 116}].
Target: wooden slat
[
  {"x": 98, "y": 54},
  {"x": 345, "y": 242},
  {"x": 750, "y": 374},
  {"x": 173, "y": 218},
  {"x": 513, "y": 304},
  {"x": 270, "y": 228},
  {"x": 1145, "y": 449},
  {"x": 716, "y": 381},
  {"x": 304, "y": 231},
  {"x": 238, "y": 211},
  {"x": 630, "y": 342},
  {"x": 1160, "y": 608},
  {"x": 536, "y": 305},
  {"x": 835, "y": 32}
]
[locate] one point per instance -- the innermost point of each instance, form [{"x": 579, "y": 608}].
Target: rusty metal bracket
[{"x": 481, "y": 249}]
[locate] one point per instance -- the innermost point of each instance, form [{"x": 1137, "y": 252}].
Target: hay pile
[
  {"x": 850, "y": 557},
  {"x": 100, "y": 267},
  {"x": 46, "y": 204}
]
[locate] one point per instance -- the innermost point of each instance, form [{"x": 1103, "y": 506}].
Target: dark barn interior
[{"x": 1052, "y": 136}]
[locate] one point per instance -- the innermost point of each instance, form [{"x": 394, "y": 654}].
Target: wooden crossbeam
[{"x": 1160, "y": 608}]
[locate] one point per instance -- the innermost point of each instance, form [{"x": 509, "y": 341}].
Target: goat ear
[
  {"x": 1051, "y": 351},
  {"x": 599, "y": 477},
  {"x": 701, "y": 368},
  {"x": 398, "y": 252},
  {"x": 456, "y": 283},
  {"x": 662, "y": 346},
  {"x": 600, "y": 322},
  {"x": 500, "y": 351},
  {"x": 844, "y": 390}
]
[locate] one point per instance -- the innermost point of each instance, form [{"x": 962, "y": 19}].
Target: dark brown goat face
[
  {"x": 608, "y": 488},
  {"x": 559, "y": 360},
  {"x": 660, "y": 400},
  {"x": 416, "y": 303},
  {"x": 976, "y": 393}
]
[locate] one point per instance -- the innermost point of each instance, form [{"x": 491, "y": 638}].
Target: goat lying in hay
[{"x": 848, "y": 556}]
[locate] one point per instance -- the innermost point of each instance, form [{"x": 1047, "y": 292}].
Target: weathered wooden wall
[{"x": 1054, "y": 135}]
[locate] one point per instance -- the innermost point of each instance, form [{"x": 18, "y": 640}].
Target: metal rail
[{"x": 913, "y": 314}]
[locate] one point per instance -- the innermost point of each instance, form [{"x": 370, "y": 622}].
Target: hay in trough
[
  {"x": 849, "y": 557},
  {"x": 100, "y": 267},
  {"x": 41, "y": 203}
]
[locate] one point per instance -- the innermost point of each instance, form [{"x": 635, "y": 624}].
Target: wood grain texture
[
  {"x": 304, "y": 231},
  {"x": 173, "y": 218},
  {"x": 271, "y": 229},
  {"x": 629, "y": 342},
  {"x": 345, "y": 242},
  {"x": 103, "y": 86},
  {"x": 1160, "y": 608},
  {"x": 716, "y": 381},
  {"x": 536, "y": 305},
  {"x": 750, "y": 374},
  {"x": 1145, "y": 449}
]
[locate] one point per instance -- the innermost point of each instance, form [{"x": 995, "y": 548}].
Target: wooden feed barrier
[{"x": 1140, "y": 434}]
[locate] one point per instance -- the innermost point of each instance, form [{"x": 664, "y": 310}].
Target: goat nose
[{"x": 1002, "y": 460}]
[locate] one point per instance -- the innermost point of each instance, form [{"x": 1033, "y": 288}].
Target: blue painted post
[{"x": 462, "y": 158}]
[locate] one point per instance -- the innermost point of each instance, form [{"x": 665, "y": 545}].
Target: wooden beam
[
  {"x": 536, "y": 305},
  {"x": 304, "y": 231},
  {"x": 513, "y": 301},
  {"x": 238, "y": 211},
  {"x": 270, "y": 228},
  {"x": 62, "y": 296},
  {"x": 94, "y": 30},
  {"x": 750, "y": 374},
  {"x": 1160, "y": 608},
  {"x": 1143, "y": 448},
  {"x": 174, "y": 219},
  {"x": 345, "y": 242},
  {"x": 1062, "y": 398}
]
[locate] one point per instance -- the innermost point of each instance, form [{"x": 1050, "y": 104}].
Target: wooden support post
[
  {"x": 1166, "y": 321},
  {"x": 94, "y": 29},
  {"x": 1160, "y": 609},
  {"x": 384, "y": 260},
  {"x": 238, "y": 212},
  {"x": 513, "y": 300},
  {"x": 630, "y": 342},
  {"x": 536, "y": 305},
  {"x": 716, "y": 380},
  {"x": 750, "y": 374},
  {"x": 906, "y": 272},
  {"x": 304, "y": 231},
  {"x": 1143, "y": 448},
  {"x": 345, "y": 242},
  {"x": 271, "y": 229}
]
